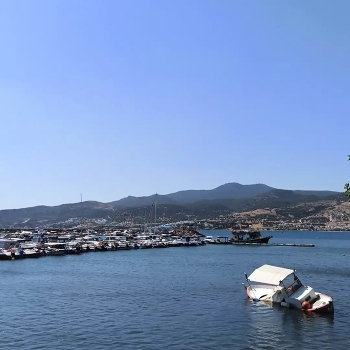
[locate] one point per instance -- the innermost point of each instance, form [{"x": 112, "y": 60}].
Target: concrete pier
[{"x": 277, "y": 244}]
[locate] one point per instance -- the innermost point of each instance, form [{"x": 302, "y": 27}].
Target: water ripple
[{"x": 167, "y": 298}]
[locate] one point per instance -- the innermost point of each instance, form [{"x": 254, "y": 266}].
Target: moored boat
[
  {"x": 30, "y": 253},
  {"x": 8, "y": 254},
  {"x": 244, "y": 237},
  {"x": 282, "y": 286},
  {"x": 209, "y": 240},
  {"x": 55, "y": 249}
]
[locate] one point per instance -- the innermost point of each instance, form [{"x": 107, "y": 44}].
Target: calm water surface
[{"x": 175, "y": 298}]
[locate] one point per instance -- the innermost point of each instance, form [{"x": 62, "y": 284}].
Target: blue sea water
[{"x": 174, "y": 298}]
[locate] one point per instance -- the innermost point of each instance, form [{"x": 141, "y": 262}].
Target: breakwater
[
  {"x": 279, "y": 244},
  {"x": 39, "y": 246}
]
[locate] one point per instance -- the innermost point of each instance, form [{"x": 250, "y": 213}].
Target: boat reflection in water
[{"x": 269, "y": 325}]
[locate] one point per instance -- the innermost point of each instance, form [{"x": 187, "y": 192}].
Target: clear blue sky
[{"x": 115, "y": 98}]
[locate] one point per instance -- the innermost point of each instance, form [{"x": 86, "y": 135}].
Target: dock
[{"x": 277, "y": 244}]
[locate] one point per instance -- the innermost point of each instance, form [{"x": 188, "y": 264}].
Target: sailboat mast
[
  {"x": 81, "y": 209},
  {"x": 155, "y": 210}
]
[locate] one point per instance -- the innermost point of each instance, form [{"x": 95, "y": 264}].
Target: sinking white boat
[{"x": 282, "y": 286}]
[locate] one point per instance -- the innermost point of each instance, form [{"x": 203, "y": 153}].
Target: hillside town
[
  {"x": 334, "y": 219},
  {"x": 275, "y": 210}
]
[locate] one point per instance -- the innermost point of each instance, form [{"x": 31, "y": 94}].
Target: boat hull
[
  {"x": 32, "y": 255},
  {"x": 324, "y": 303},
  {"x": 19, "y": 256},
  {"x": 264, "y": 239},
  {"x": 7, "y": 257},
  {"x": 57, "y": 252}
]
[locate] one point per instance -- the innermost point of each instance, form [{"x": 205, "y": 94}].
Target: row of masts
[
  {"x": 154, "y": 205},
  {"x": 149, "y": 219}
]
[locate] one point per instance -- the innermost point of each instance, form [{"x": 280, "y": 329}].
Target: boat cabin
[
  {"x": 114, "y": 238},
  {"x": 38, "y": 238},
  {"x": 222, "y": 239},
  {"x": 64, "y": 239},
  {"x": 8, "y": 243},
  {"x": 56, "y": 245},
  {"x": 284, "y": 283},
  {"x": 245, "y": 235}
]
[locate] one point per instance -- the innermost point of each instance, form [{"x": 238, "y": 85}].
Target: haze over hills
[
  {"x": 196, "y": 204},
  {"x": 232, "y": 191},
  {"x": 229, "y": 190}
]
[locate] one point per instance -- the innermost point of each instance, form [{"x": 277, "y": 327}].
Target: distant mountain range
[
  {"x": 180, "y": 205},
  {"x": 227, "y": 191},
  {"x": 232, "y": 190}
]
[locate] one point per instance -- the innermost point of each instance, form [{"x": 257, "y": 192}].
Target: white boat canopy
[{"x": 270, "y": 274}]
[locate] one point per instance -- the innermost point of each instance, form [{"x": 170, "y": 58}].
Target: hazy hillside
[
  {"x": 41, "y": 215},
  {"x": 183, "y": 205},
  {"x": 317, "y": 193},
  {"x": 132, "y": 201},
  {"x": 271, "y": 199},
  {"x": 227, "y": 191}
]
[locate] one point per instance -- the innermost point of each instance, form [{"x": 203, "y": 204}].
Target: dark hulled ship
[{"x": 248, "y": 237}]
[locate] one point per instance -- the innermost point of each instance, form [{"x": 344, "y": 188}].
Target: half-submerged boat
[
  {"x": 246, "y": 237},
  {"x": 282, "y": 286}
]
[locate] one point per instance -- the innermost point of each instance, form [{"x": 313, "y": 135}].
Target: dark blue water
[{"x": 175, "y": 298}]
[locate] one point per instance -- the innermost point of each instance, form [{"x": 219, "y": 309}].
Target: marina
[{"x": 26, "y": 244}]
